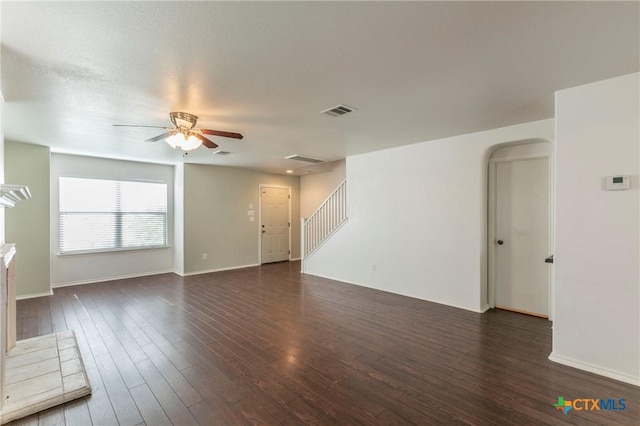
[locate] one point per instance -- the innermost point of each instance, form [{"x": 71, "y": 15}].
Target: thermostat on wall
[{"x": 616, "y": 183}]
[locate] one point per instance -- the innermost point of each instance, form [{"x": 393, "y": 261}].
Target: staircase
[{"x": 326, "y": 220}]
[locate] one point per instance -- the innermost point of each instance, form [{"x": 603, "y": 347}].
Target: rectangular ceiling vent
[
  {"x": 303, "y": 158},
  {"x": 338, "y": 110},
  {"x": 221, "y": 152}
]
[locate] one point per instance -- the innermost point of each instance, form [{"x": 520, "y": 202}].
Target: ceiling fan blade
[
  {"x": 221, "y": 133},
  {"x": 206, "y": 142},
  {"x": 162, "y": 136},
  {"x": 136, "y": 125}
]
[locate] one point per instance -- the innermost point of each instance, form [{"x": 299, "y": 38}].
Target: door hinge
[
  {"x": 289, "y": 224},
  {"x": 289, "y": 196},
  {"x": 289, "y": 251}
]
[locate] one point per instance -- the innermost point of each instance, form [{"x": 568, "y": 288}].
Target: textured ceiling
[{"x": 414, "y": 71}]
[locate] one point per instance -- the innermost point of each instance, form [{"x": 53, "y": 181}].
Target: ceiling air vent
[
  {"x": 338, "y": 110},
  {"x": 221, "y": 152},
  {"x": 303, "y": 158}
]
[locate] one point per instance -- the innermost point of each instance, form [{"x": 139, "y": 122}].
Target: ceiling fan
[{"x": 184, "y": 135}]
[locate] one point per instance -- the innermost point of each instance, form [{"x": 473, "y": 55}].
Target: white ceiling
[{"x": 415, "y": 71}]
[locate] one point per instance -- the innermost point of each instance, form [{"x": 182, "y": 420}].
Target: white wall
[
  {"x": 216, "y": 221},
  {"x": 314, "y": 189},
  {"x": 28, "y": 224},
  {"x": 417, "y": 218},
  {"x": 82, "y": 268},
  {"x": 597, "y": 254}
]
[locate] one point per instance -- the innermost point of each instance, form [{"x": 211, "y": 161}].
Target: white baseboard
[
  {"x": 484, "y": 308},
  {"x": 103, "y": 279},
  {"x": 606, "y": 372},
  {"x": 479, "y": 310},
  {"x": 294, "y": 259},
  {"x": 146, "y": 274},
  {"x": 230, "y": 268},
  {"x": 34, "y": 295}
]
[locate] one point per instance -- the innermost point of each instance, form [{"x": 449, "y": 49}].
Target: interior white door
[
  {"x": 522, "y": 235},
  {"x": 275, "y": 224}
]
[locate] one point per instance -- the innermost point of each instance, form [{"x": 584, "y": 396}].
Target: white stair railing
[{"x": 331, "y": 214}]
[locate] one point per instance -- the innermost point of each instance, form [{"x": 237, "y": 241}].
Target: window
[{"x": 104, "y": 215}]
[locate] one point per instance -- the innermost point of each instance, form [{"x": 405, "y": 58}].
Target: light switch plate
[{"x": 617, "y": 183}]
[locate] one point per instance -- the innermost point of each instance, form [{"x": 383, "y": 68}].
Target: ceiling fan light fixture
[
  {"x": 184, "y": 120},
  {"x": 184, "y": 134},
  {"x": 191, "y": 143},
  {"x": 175, "y": 140},
  {"x": 180, "y": 140}
]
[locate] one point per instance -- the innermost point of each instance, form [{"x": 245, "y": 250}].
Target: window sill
[{"x": 108, "y": 251}]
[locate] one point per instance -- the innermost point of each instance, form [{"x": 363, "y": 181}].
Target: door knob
[{"x": 500, "y": 242}]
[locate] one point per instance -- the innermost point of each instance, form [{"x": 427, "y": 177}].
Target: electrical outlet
[{"x": 204, "y": 256}]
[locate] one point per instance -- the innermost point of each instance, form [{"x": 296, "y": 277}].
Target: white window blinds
[{"x": 104, "y": 215}]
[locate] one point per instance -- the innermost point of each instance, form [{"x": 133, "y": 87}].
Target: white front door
[
  {"x": 522, "y": 236},
  {"x": 275, "y": 224}
]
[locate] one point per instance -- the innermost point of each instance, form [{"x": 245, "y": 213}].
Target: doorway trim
[
  {"x": 265, "y": 185},
  {"x": 491, "y": 222}
]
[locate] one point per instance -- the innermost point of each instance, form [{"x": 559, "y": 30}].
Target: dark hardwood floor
[{"x": 268, "y": 345}]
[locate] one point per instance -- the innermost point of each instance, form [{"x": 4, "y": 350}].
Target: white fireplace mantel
[
  {"x": 8, "y": 286},
  {"x": 10, "y": 195},
  {"x": 7, "y": 309},
  {"x": 7, "y": 251},
  {"x": 55, "y": 373}
]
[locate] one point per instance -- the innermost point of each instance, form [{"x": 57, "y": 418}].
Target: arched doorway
[{"x": 520, "y": 227}]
